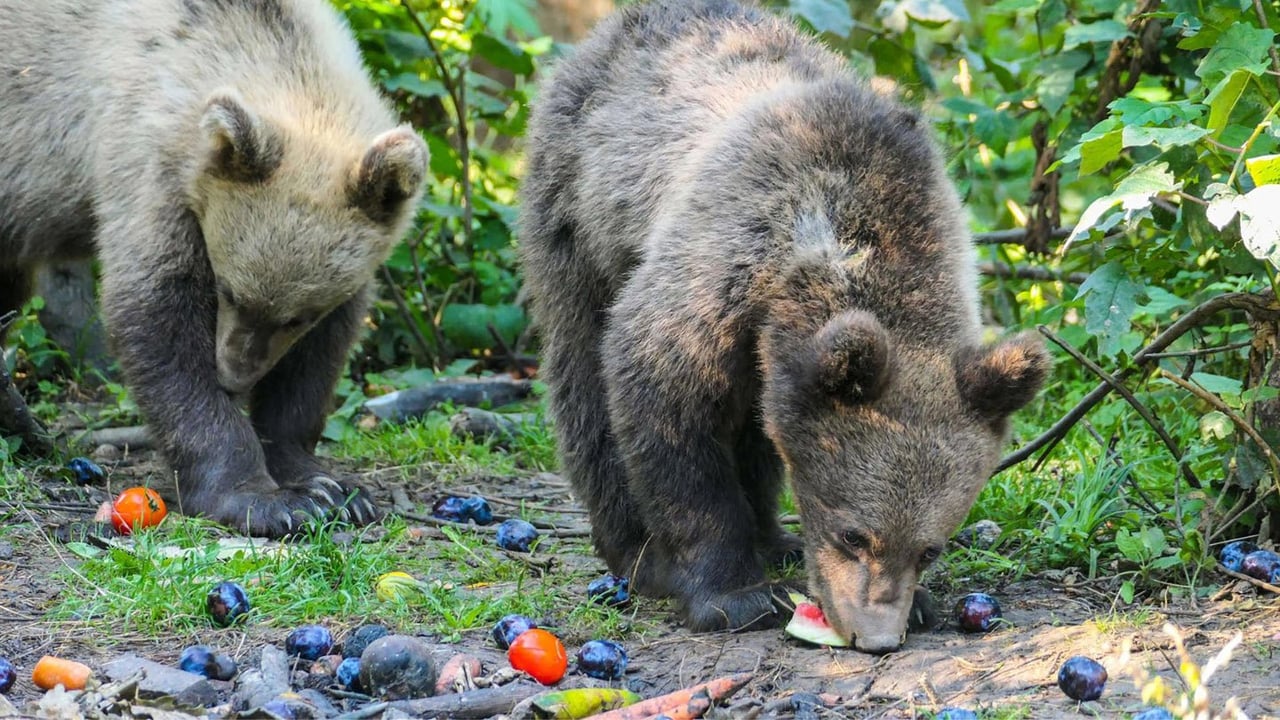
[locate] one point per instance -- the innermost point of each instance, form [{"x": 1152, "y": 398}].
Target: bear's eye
[
  {"x": 929, "y": 555},
  {"x": 294, "y": 324},
  {"x": 854, "y": 540}
]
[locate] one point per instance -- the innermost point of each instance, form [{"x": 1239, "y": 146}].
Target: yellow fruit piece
[
  {"x": 581, "y": 702},
  {"x": 397, "y": 586}
]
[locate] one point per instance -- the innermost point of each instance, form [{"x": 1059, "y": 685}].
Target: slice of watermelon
[{"x": 809, "y": 624}]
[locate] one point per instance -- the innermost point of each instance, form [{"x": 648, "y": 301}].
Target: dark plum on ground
[
  {"x": 309, "y": 642},
  {"x": 360, "y": 638},
  {"x": 1154, "y": 713},
  {"x": 978, "y": 612},
  {"x": 348, "y": 673},
  {"x": 1259, "y": 564},
  {"x": 454, "y": 508},
  {"x": 602, "y": 659},
  {"x": 1232, "y": 554},
  {"x": 227, "y": 602},
  {"x": 85, "y": 471},
  {"x": 203, "y": 660},
  {"x": 516, "y": 535},
  {"x": 7, "y": 675},
  {"x": 506, "y": 630},
  {"x": 397, "y": 667},
  {"x": 955, "y": 713},
  {"x": 1082, "y": 678},
  {"x": 609, "y": 590}
]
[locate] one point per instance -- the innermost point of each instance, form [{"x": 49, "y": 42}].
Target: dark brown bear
[{"x": 745, "y": 262}]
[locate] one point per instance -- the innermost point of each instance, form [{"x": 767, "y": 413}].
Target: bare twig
[
  {"x": 1261, "y": 304},
  {"x": 1016, "y": 236},
  {"x": 1199, "y": 352},
  {"x": 1143, "y": 411},
  {"x": 1251, "y": 580},
  {"x": 1267, "y": 451},
  {"x": 1275, "y": 58},
  {"x": 1030, "y": 273},
  {"x": 414, "y": 330}
]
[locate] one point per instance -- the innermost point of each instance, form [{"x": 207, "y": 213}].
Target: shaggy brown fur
[
  {"x": 240, "y": 181},
  {"x": 742, "y": 260}
]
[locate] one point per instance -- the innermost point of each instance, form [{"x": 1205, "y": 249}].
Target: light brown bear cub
[
  {"x": 240, "y": 180},
  {"x": 743, "y": 262}
]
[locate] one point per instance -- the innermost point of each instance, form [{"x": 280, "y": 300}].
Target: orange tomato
[
  {"x": 51, "y": 671},
  {"x": 137, "y": 507},
  {"x": 540, "y": 654}
]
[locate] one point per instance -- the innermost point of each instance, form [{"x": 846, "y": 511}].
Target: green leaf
[
  {"x": 503, "y": 54},
  {"x": 499, "y": 15},
  {"x": 1110, "y": 299},
  {"x": 1130, "y": 545},
  {"x": 1097, "y": 152},
  {"x": 1133, "y": 193},
  {"x": 1264, "y": 169},
  {"x": 1059, "y": 78},
  {"x": 413, "y": 83},
  {"x": 1217, "y": 384},
  {"x": 935, "y": 13},
  {"x": 1163, "y": 138},
  {"x": 827, "y": 16},
  {"x": 1223, "y": 98},
  {"x": 1094, "y": 32},
  {"x": 1126, "y": 591},
  {"x": 406, "y": 47},
  {"x": 1241, "y": 47},
  {"x": 467, "y": 326}
]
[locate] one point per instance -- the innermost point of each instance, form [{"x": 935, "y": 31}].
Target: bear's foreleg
[
  {"x": 672, "y": 364},
  {"x": 289, "y": 406},
  {"x": 760, "y": 470},
  {"x": 159, "y": 306}
]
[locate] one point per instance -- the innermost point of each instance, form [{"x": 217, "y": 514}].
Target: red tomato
[
  {"x": 540, "y": 654},
  {"x": 137, "y": 507}
]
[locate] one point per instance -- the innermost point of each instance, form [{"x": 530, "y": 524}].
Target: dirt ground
[{"x": 1014, "y": 667}]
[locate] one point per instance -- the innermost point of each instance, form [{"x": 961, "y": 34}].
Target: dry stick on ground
[
  {"x": 1143, "y": 412},
  {"x": 1251, "y": 580},
  {"x": 1258, "y": 304},
  {"x": 1247, "y": 429}
]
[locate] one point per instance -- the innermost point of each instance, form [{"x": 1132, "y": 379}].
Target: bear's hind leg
[{"x": 289, "y": 406}]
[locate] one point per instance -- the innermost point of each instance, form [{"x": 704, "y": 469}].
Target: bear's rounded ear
[
  {"x": 852, "y": 357},
  {"x": 997, "y": 380},
  {"x": 242, "y": 147},
  {"x": 389, "y": 174}
]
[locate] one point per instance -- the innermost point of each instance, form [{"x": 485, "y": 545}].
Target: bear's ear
[
  {"x": 242, "y": 147},
  {"x": 996, "y": 380},
  {"x": 852, "y": 358},
  {"x": 390, "y": 173}
]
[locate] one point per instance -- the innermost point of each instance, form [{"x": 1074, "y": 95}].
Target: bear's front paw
[
  {"x": 749, "y": 608},
  {"x": 282, "y": 511},
  {"x": 924, "y": 614}
]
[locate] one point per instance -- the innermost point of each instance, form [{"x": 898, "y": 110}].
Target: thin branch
[
  {"x": 409, "y": 320},
  {"x": 1014, "y": 236},
  {"x": 1200, "y": 352},
  {"x": 1275, "y": 58},
  {"x": 436, "y": 333},
  {"x": 1245, "y": 427},
  {"x": 1261, "y": 304},
  {"x": 1108, "y": 448},
  {"x": 1002, "y": 270},
  {"x": 1143, "y": 411}
]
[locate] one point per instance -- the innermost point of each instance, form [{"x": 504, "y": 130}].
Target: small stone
[
  {"x": 106, "y": 453},
  {"x": 981, "y": 535},
  {"x": 397, "y": 667},
  {"x": 161, "y": 681}
]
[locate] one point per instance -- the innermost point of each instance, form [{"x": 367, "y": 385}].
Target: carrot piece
[
  {"x": 51, "y": 671},
  {"x": 683, "y": 704}
]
